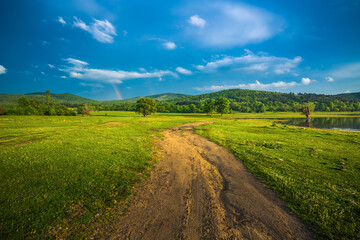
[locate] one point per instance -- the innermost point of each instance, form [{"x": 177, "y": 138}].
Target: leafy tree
[
  {"x": 261, "y": 108},
  {"x": 223, "y": 105},
  {"x": 47, "y": 96},
  {"x": 209, "y": 107},
  {"x": 307, "y": 109},
  {"x": 2, "y": 110},
  {"x": 85, "y": 110},
  {"x": 192, "y": 108},
  {"x": 23, "y": 102},
  {"x": 161, "y": 108},
  {"x": 146, "y": 106}
]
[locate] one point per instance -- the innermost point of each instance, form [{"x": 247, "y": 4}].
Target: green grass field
[
  {"x": 317, "y": 172},
  {"x": 59, "y": 169},
  {"x": 66, "y": 176}
]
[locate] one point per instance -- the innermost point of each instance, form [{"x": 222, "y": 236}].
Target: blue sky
[{"x": 113, "y": 49}]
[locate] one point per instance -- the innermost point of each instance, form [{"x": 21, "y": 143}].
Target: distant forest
[
  {"x": 240, "y": 101},
  {"x": 249, "y": 101}
]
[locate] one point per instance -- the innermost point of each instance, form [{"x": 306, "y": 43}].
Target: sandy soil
[{"x": 199, "y": 190}]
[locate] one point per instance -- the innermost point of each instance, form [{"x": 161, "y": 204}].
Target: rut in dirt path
[{"x": 199, "y": 190}]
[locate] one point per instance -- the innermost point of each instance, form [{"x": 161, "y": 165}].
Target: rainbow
[{"x": 117, "y": 91}]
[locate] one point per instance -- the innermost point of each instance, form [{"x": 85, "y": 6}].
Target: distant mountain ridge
[
  {"x": 10, "y": 100},
  {"x": 159, "y": 97},
  {"x": 244, "y": 95},
  {"x": 239, "y": 95}
]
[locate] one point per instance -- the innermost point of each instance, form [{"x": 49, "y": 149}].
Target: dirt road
[{"x": 199, "y": 190}]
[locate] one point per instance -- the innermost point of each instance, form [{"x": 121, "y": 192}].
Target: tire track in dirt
[{"x": 199, "y": 190}]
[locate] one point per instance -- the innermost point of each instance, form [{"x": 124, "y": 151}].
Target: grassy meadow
[
  {"x": 316, "y": 171},
  {"x": 67, "y": 171},
  {"x": 69, "y": 176}
]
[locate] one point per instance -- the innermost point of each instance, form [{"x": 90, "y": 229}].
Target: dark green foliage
[
  {"x": 307, "y": 109},
  {"x": 2, "y": 110},
  {"x": 209, "y": 107},
  {"x": 146, "y": 106},
  {"x": 241, "y": 100},
  {"x": 47, "y": 96},
  {"x": 70, "y": 100},
  {"x": 260, "y": 101},
  {"x": 84, "y": 110},
  {"x": 223, "y": 105},
  {"x": 36, "y": 107}
]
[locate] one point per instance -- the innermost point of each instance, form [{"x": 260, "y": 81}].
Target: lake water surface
[{"x": 336, "y": 123}]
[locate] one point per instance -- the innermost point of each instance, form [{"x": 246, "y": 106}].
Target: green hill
[
  {"x": 243, "y": 95},
  {"x": 350, "y": 95},
  {"x": 10, "y": 100},
  {"x": 158, "y": 97}
]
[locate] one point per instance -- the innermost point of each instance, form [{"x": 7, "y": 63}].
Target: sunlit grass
[
  {"x": 50, "y": 165},
  {"x": 65, "y": 175},
  {"x": 317, "y": 172}
]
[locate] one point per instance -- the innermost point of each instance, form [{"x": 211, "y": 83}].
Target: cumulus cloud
[
  {"x": 197, "y": 21},
  {"x": 230, "y": 24},
  {"x": 183, "y": 71},
  {"x": 2, "y": 69},
  {"x": 78, "y": 69},
  {"x": 306, "y": 81},
  {"x": 329, "y": 79},
  {"x": 61, "y": 20},
  {"x": 257, "y": 85},
  {"x": 169, "y": 45},
  {"x": 251, "y": 62},
  {"x": 102, "y": 31}
]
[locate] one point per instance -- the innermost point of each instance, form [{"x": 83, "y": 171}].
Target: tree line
[
  {"x": 36, "y": 107},
  {"x": 246, "y": 106}
]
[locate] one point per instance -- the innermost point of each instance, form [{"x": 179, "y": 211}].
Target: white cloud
[
  {"x": 61, "y": 20},
  {"x": 51, "y": 66},
  {"x": 347, "y": 91},
  {"x": 2, "y": 69},
  {"x": 251, "y": 62},
  {"x": 256, "y": 67},
  {"x": 93, "y": 85},
  {"x": 329, "y": 79},
  {"x": 45, "y": 43},
  {"x": 230, "y": 24},
  {"x": 78, "y": 69},
  {"x": 197, "y": 21},
  {"x": 183, "y": 71},
  {"x": 169, "y": 45},
  {"x": 306, "y": 81},
  {"x": 42, "y": 73},
  {"x": 63, "y": 77},
  {"x": 75, "y": 62},
  {"x": 165, "y": 43},
  {"x": 103, "y": 31},
  {"x": 257, "y": 85}
]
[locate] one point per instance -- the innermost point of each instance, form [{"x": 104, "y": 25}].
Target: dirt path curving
[{"x": 199, "y": 190}]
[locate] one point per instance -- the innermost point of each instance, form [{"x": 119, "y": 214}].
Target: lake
[{"x": 335, "y": 123}]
